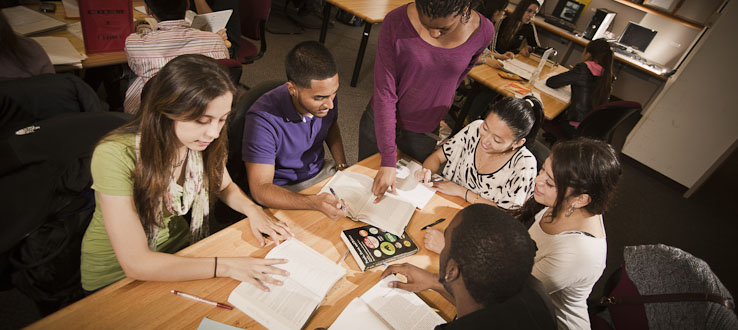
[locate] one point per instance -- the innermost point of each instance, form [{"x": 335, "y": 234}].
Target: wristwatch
[{"x": 341, "y": 167}]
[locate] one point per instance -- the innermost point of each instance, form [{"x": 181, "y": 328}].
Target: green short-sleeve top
[{"x": 113, "y": 162}]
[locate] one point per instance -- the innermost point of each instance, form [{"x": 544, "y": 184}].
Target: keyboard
[
  {"x": 558, "y": 22},
  {"x": 519, "y": 68}
]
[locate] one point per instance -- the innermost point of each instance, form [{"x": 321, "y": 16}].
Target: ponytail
[
  {"x": 523, "y": 116},
  {"x": 601, "y": 54}
]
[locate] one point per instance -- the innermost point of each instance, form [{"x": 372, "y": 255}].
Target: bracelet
[
  {"x": 341, "y": 167},
  {"x": 215, "y": 269},
  {"x": 466, "y": 193}
]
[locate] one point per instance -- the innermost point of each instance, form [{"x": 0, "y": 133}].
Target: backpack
[{"x": 348, "y": 18}]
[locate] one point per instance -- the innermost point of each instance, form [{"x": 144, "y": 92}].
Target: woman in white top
[
  {"x": 572, "y": 190},
  {"x": 487, "y": 161}
]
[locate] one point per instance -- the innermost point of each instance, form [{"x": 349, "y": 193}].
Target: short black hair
[
  {"x": 489, "y": 7},
  {"x": 167, "y": 10},
  {"x": 307, "y": 61},
  {"x": 443, "y": 8},
  {"x": 494, "y": 252}
]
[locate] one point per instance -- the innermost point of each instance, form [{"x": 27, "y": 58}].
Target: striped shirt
[{"x": 148, "y": 53}]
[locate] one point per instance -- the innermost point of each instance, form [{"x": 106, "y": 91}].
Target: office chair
[
  {"x": 235, "y": 165},
  {"x": 540, "y": 151},
  {"x": 611, "y": 122},
  {"x": 254, "y": 15}
]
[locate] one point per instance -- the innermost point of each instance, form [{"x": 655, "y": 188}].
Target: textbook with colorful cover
[
  {"x": 371, "y": 246},
  {"x": 290, "y": 305},
  {"x": 385, "y": 308},
  {"x": 392, "y": 213}
]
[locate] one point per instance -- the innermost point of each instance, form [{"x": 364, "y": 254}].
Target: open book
[
  {"x": 211, "y": 22},
  {"x": 385, "y": 308},
  {"x": 391, "y": 214},
  {"x": 290, "y": 305}
]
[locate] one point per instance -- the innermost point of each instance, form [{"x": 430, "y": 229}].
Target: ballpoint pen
[
  {"x": 433, "y": 223},
  {"x": 343, "y": 205}
]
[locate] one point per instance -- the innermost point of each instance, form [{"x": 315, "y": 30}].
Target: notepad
[
  {"x": 385, "y": 308},
  {"x": 563, "y": 93},
  {"x": 290, "y": 305},
  {"x": 60, "y": 50},
  {"x": 26, "y": 21}
]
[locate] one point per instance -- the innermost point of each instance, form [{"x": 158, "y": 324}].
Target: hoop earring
[
  {"x": 570, "y": 210},
  {"x": 466, "y": 17}
]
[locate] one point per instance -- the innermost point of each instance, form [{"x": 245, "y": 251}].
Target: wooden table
[
  {"x": 371, "y": 11},
  {"x": 93, "y": 60},
  {"x": 485, "y": 75},
  {"x": 133, "y": 304}
]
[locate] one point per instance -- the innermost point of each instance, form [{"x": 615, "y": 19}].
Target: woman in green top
[{"x": 170, "y": 160}]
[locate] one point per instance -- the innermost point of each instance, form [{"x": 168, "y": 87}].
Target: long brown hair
[
  {"x": 181, "y": 91},
  {"x": 514, "y": 22},
  {"x": 602, "y": 55},
  {"x": 585, "y": 166}
]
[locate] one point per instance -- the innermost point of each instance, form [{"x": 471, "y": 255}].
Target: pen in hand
[
  {"x": 433, "y": 223},
  {"x": 344, "y": 208}
]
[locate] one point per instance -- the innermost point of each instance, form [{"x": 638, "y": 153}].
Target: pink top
[{"x": 415, "y": 82}]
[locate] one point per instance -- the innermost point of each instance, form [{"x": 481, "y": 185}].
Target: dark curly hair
[
  {"x": 494, "y": 252},
  {"x": 445, "y": 8}
]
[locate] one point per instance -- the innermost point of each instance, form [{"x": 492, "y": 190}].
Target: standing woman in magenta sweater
[
  {"x": 425, "y": 50},
  {"x": 591, "y": 83}
]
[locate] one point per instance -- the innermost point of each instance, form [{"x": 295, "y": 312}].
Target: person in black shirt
[
  {"x": 518, "y": 28},
  {"x": 485, "y": 270}
]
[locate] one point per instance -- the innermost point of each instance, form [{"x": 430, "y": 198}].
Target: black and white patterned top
[{"x": 508, "y": 187}]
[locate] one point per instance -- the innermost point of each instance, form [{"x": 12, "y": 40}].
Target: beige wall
[{"x": 695, "y": 118}]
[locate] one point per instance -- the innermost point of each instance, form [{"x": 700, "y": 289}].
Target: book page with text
[
  {"x": 392, "y": 214},
  {"x": 354, "y": 188},
  {"x": 284, "y": 307},
  {"x": 307, "y": 267}
]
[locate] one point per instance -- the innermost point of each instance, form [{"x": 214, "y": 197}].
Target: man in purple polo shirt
[{"x": 284, "y": 131}]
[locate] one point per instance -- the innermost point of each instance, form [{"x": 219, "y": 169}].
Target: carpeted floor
[{"x": 648, "y": 209}]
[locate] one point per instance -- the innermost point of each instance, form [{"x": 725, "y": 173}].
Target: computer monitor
[
  {"x": 637, "y": 36},
  {"x": 568, "y": 10}
]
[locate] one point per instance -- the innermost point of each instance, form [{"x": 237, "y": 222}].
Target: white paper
[
  {"x": 208, "y": 324},
  {"x": 400, "y": 309},
  {"x": 60, "y": 50},
  {"x": 26, "y": 21},
  {"x": 518, "y": 67},
  {"x": 358, "y": 313},
  {"x": 408, "y": 187},
  {"x": 212, "y": 22},
  {"x": 71, "y": 8},
  {"x": 141, "y": 9},
  {"x": 563, "y": 93},
  {"x": 76, "y": 30}
]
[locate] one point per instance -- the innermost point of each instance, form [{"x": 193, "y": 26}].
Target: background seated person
[
  {"x": 284, "y": 131},
  {"x": 518, "y": 28},
  {"x": 494, "y": 10},
  {"x": 172, "y": 36},
  {"x": 20, "y": 57},
  {"x": 484, "y": 270}
]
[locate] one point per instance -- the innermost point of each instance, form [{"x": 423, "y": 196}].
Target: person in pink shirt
[
  {"x": 425, "y": 50},
  {"x": 591, "y": 83}
]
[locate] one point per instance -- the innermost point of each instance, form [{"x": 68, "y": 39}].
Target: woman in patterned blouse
[{"x": 487, "y": 161}]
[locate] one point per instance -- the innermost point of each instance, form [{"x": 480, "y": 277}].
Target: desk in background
[
  {"x": 486, "y": 76},
  {"x": 138, "y": 305},
  {"x": 371, "y": 11},
  {"x": 93, "y": 60}
]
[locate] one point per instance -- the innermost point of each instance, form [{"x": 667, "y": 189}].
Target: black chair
[
  {"x": 611, "y": 122},
  {"x": 235, "y": 165}
]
